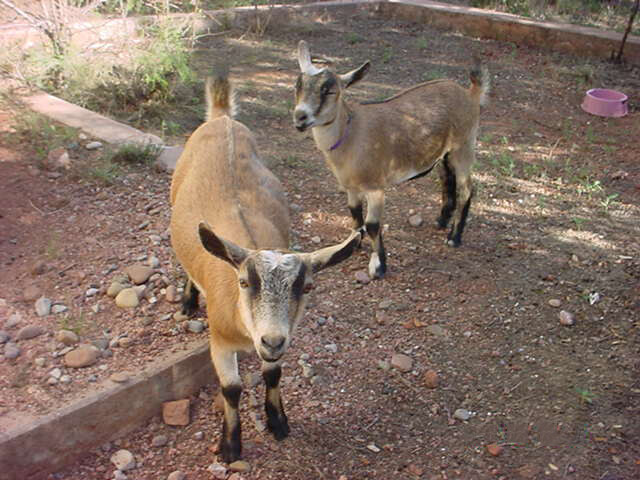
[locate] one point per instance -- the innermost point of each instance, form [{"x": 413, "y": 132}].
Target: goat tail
[
  {"x": 479, "y": 81},
  {"x": 221, "y": 99}
]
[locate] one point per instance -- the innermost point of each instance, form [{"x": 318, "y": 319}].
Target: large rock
[
  {"x": 139, "y": 273},
  {"x": 402, "y": 362},
  {"x": 83, "y": 356},
  {"x": 176, "y": 413},
  {"x": 43, "y": 306},
  {"x": 115, "y": 288},
  {"x": 127, "y": 298},
  {"x": 67, "y": 337}
]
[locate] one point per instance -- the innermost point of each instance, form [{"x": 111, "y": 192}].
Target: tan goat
[
  {"x": 373, "y": 145},
  {"x": 255, "y": 289}
]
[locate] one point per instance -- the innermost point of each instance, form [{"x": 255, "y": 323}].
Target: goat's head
[
  {"x": 273, "y": 286},
  {"x": 318, "y": 91}
]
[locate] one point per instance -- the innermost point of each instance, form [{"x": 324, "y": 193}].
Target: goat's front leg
[
  {"x": 226, "y": 365},
  {"x": 375, "y": 206},
  {"x": 354, "y": 200},
  {"x": 276, "y": 419}
]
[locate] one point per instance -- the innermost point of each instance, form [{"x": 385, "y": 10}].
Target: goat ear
[
  {"x": 356, "y": 75},
  {"x": 304, "y": 59},
  {"x": 220, "y": 248},
  {"x": 329, "y": 256}
]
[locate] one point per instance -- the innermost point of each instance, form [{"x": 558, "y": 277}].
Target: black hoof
[
  {"x": 230, "y": 453},
  {"x": 278, "y": 428}
]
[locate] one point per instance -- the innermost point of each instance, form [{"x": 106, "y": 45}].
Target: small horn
[{"x": 304, "y": 59}]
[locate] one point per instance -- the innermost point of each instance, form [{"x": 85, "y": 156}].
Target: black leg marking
[
  {"x": 190, "y": 301},
  {"x": 277, "y": 421},
  {"x": 356, "y": 214},
  {"x": 448, "y": 178},
  {"x": 231, "y": 442},
  {"x": 373, "y": 230},
  {"x": 455, "y": 235}
]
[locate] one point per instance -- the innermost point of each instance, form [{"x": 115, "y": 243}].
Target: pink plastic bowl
[{"x": 605, "y": 103}]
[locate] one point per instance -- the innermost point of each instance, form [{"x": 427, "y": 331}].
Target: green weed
[
  {"x": 578, "y": 222},
  {"x": 387, "y": 54},
  {"x": 422, "y": 43},
  {"x": 354, "y": 38},
  {"x": 585, "y": 395},
  {"x": 132, "y": 154}
]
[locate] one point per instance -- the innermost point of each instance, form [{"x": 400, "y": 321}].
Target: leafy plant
[
  {"x": 133, "y": 154},
  {"x": 387, "y": 54},
  {"x": 608, "y": 201},
  {"x": 585, "y": 395}
]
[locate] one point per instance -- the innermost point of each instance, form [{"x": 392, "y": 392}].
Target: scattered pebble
[
  {"x": 437, "y": 330},
  {"x": 83, "y": 356},
  {"x": 43, "y": 306},
  {"x": 31, "y": 293},
  {"x": 58, "y": 308},
  {"x": 127, "y": 298},
  {"x": 402, "y": 362},
  {"x": 383, "y": 305},
  {"x": 176, "y": 475},
  {"x": 124, "y": 342},
  {"x": 115, "y": 288},
  {"x": 159, "y": 441},
  {"x": 172, "y": 295},
  {"x": 12, "y": 321},
  {"x": 55, "y": 373},
  {"x": 566, "y": 318},
  {"x": 362, "y": 277},
  {"x": 101, "y": 343},
  {"x": 123, "y": 460},
  {"x": 331, "y": 347},
  {"x": 554, "y": 302},
  {"x": 316, "y": 239},
  {"x": 494, "y": 449},
  {"x": 119, "y": 377},
  {"x": 119, "y": 475},
  {"x": 28, "y": 332},
  {"x": 139, "y": 273},
  {"x": 462, "y": 414},
  {"x": 384, "y": 365},
  {"x": 431, "y": 379},
  {"x": 176, "y": 413},
  {"x": 40, "y": 362},
  {"x": 67, "y": 337},
  {"x": 373, "y": 447},
  {"x": 218, "y": 471},
  {"x": 11, "y": 350},
  {"x": 195, "y": 326},
  {"x": 198, "y": 436},
  {"x": 4, "y": 337},
  {"x": 93, "y": 145},
  {"x": 91, "y": 292},
  {"x": 154, "y": 262},
  {"x": 239, "y": 466},
  {"x": 415, "y": 220},
  {"x": 65, "y": 379}
]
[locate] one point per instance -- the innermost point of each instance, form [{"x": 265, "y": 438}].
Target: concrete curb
[{"x": 31, "y": 452}]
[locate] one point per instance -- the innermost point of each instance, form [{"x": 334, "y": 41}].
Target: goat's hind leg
[
  {"x": 355, "y": 201},
  {"x": 448, "y": 181},
  {"x": 226, "y": 364},
  {"x": 277, "y": 421},
  {"x": 461, "y": 164},
  {"x": 375, "y": 206},
  {"x": 190, "y": 298}
]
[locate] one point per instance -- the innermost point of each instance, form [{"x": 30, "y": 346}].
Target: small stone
[
  {"x": 52, "y": 381},
  {"x": 176, "y": 413},
  {"x": 139, "y": 274},
  {"x": 385, "y": 304},
  {"x": 55, "y": 373},
  {"x": 101, "y": 343},
  {"x": 494, "y": 449},
  {"x": 123, "y": 460},
  {"x": 362, "y": 277},
  {"x": 159, "y": 441},
  {"x": 40, "y": 362},
  {"x": 58, "y": 308},
  {"x": 31, "y": 293},
  {"x": 195, "y": 326},
  {"x": 415, "y": 470},
  {"x": 83, "y": 356},
  {"x": 141, "y": 291},
  {"x": 91, "y": 292},
  {"x": 431, "y": 379},
  {"x": 198, "y": 436},
  {"x": 29, "y": 332},
  {"x": 11, "y": 350},
  {"x": 43, "y": 307},
  {"x": 176, "y": 475},
  {"x": 124, "y": 342},
  {"x": 462, "y": 414},
  {"x": 240, "y": 466},
  {"x": 373, "y": 447},
  {"x": 38, "y": 268},
  {"x": 180, "y": 317},
  {"x": 115, "y": 288},
  {"x": 316, "y": 239},
  {"x": 566, "y": 318},
  {"x": 119, "y": 475},
  {"x": 93, "y": 145},
  {"x": 65, "y": 379},
  {"x": 119, "y": 377},
  {"x": 4, "y": 337},
  {"x": 154, "y": 262},
  {"x": 218, "y": 471},
  {"x": 13, "y": 320},
  {"x": 67, "y": 337},
  {"x": 437, "y": 330},
  {"x": 331, "y": 347},
  {"x": 172, "y": 295},
  {"x": 554, "y": 302},
  {"x": 308, "y": 371},
  {"x": 384, "y": 365},
  {"x": 415, "y": 220},
  {"x": 402, "y": 362},
  {"x": 218, "y": 402},
  {"x": 127, "y": 298}
]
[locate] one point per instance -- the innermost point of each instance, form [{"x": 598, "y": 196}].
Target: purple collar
[{"x": 343, "y": 137}]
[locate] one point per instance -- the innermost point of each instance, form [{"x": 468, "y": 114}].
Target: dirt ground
[{"x": 555, "y": 217}]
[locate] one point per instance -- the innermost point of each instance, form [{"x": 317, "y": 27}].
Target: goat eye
[
  {"x": 308, "y": 287},
  {"x": 243, "y": 283}
]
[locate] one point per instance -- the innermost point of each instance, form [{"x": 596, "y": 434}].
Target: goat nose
[
  {"x": 301, "y": 116},
  {"x": 273, "y": 342}
]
